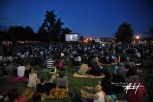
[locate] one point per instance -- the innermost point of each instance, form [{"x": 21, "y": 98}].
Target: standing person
[{"x": 32, "y": 79}]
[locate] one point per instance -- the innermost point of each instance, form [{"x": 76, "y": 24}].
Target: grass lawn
[{"x": 76, "y": 83}]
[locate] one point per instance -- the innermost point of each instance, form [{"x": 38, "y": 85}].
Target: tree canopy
[
  {"x": 17, "y": 33},
  {"x": 124, "y": 33},
  {"x": 51, "y": 28},
  {"x": 150, "y": 32}
]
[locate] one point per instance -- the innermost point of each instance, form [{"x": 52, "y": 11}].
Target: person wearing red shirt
[{"x": 137, "y": 94}]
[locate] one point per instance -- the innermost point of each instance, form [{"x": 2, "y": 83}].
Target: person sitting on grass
[
  {"x": 106, "y": 83},
  {"x": 132, "y": 71},
  {"x": 99, "y": 96},
  {"x": 96, "y": 70},
  {"x": 32, "y": 78},
  {"x": 118, "y": 78},
  {"x": 62, "y": 80},
  {"x": 138, "y": 94},
  {"x": 83, "y": 69},
  {"x": 45, "y": 86},
  {"x": 14, "y": 96},
  {"x": 60, "y": 64}
]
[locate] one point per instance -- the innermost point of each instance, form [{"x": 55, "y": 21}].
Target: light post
[{"x": 138, "y": 38}]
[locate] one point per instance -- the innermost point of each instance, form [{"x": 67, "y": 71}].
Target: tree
[
  {"x": 4, "y": 35},
  {"x": 19, "y": 33},
  {"x": 51, "y": 26},
  {"x": 124, "y": 33},
  {"x": 150, "y": 32},
  {"x": 29, "y": 34},
  {"x": 16, "y": 33}
]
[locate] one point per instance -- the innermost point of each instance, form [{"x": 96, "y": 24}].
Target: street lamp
[{"x": 137, "y": 37}]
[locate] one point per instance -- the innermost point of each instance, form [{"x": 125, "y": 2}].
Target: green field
[{"x": 76, "y": 83}]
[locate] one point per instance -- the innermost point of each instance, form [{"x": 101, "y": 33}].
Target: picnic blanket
[
  {"x": 87, "y": 76},
  {"x": 19, "y": 79},
  {"x": 29, "y": 92},
  {"x": 55, "y": 93}
]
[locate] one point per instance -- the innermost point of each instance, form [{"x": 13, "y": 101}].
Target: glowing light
[{"x": 137, "y": 37}]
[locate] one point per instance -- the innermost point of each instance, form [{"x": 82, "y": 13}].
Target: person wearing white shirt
[
  {"x": 21, "y": 71},
  {"x": 99, "y": 96}
]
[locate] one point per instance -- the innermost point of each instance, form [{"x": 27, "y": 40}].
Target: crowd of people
[{"x": 88, "y": 59}]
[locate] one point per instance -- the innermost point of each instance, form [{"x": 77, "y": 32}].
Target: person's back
[
  {"x": 136, "y": 95},
  {"x": 14, "y": 96},
  {"x": 83, "y": 69},
  {"x": 50, "y": 63},
  {"x": 101, "y": 97},
  {"x": 20, "y": 99},
  {"x": 60, "y": 64},
  {"x": 96, "y": 70},
  {"x": 118, "y": 79},
  {"x": 10, "y": 68},
  {"x": 132, "y": 71},
  {"x": 21, "y": 71},
  {"x": 62, "y": 80}
]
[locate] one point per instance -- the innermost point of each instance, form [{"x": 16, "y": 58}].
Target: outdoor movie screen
[{"x": 71, "y": 37}]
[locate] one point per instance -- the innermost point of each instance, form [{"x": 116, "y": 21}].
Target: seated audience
[
  {"x": 136, "y": 95},
  {"x": 99, "y": 96},
  {"x": 36, "y": 97},
  {"x": 116, "y": 66},
  {"x": 96, "y": 70},
  {"x": 32, "y": 78},
  {"x": 106, "y": 83},
  {"x": 131, "y": 72},
  {"x": 118, "y": 78},
  {"x": 50, "y": 63},
  {"x": 137, "y": 54},
  {"x": 10, "y": 67},
  {"x": 14, "y": 96},
  {"x": 21, "y": 70},
  {"x": 60, "y": 64},
  {"x": 45, "y": 86},
  {"x": 27, "y": 70},
  {"x": 62, "y": 80},
  {"x": 83, "y": 69}
]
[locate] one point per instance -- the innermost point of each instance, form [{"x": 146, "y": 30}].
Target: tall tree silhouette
[
  {"x": 51, "y": 27},
  {"x": 124, "y": 33}
]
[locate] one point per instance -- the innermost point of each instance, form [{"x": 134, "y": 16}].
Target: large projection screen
[{"x": 71, "y": 37}]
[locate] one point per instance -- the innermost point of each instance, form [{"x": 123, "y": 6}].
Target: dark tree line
[
  {"x": 125, "y": 33},
  {"x": 50, "y": 30},
  {"x": 18, "y": 33}
]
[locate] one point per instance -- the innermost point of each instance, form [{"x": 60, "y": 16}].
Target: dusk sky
[{"x": 90, "y": 18}]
